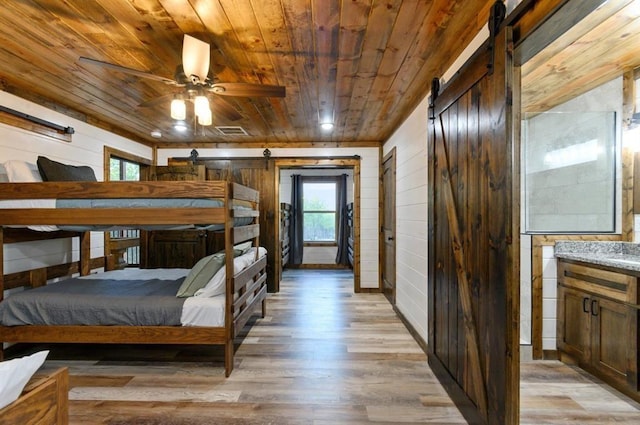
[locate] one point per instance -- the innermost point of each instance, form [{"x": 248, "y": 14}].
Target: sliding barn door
[
  {"x": 258, "y": 174},
  {"x": 473, "y": 238}
]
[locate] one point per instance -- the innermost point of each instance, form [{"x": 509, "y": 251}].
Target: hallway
[{"x": 323, "y": 355}]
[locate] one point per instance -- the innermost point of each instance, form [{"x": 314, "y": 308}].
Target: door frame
[
  {"x": 353, "y": 163},
  {"x": 390, "y": 156}
]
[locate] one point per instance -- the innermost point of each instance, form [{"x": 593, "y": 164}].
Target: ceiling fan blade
[
  {"x": 126, "y": 70},
  {"x": 195, "y": 57},
  {"x": 224, "y": 108},
  {"x": 248, "y": 90}
]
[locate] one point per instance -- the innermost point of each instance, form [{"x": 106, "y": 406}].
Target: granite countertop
[{"x": 621, "y": 255}]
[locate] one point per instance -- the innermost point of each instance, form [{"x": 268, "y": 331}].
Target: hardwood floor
[{"x": 323, "y": 355}]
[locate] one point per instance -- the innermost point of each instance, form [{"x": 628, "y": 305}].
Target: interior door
[
  {"x": 388, "y": 251},
  {"x": 473, "y": 238}
]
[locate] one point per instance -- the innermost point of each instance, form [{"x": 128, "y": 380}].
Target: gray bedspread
[
  {"x": 148, "y": 203},
  {"x": 75, "y": 301}
]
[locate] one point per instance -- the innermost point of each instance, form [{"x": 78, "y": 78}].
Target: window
[
  {"x": 122, "y": 169},
  {"x": 319, "y": 204}
]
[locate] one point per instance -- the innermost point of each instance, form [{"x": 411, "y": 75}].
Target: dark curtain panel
[
  {"x": 296, "y": 237},
  {"x": 342, "y": 256}
]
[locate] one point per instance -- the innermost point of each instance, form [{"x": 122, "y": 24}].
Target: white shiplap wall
[
  {"x": 86, "y": 148},
  {"x": 410, "y": 142},
  {"x": 369, "y": 183}
]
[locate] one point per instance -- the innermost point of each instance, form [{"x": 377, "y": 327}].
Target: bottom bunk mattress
[{"x": 129, "y": 297}]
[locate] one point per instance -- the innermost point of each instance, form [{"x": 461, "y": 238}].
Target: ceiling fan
[{"x": 196, "y": 81}]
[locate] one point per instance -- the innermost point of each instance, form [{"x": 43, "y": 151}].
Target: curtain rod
[{"x": 57, "y": 127}]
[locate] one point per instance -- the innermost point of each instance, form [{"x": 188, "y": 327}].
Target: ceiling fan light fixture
[
  {"x": 195, "y": 58},
  {"x": 201, "y": 105},
  {"x": 205, "y": 118},
  {"x": 178, "y": 109}
]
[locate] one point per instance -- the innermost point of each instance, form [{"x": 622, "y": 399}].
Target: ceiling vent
[{"x": 232, "y": 131}]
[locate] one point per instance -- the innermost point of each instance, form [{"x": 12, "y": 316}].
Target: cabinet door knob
[
  {"x": 594, "y": 307},
  {"x": 585, "y": 308}
]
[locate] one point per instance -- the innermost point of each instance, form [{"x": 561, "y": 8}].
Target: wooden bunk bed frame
[
  {"x": 244, "y": 292},
  {"x": 285, "y": 224},
  {"x": 44, "y": 401}
]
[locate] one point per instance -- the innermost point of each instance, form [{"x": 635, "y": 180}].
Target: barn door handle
[
  {"x": 390, "y": 238},
  {"x": 585, "y": 309},
  {"x": 594, "y": 307}
]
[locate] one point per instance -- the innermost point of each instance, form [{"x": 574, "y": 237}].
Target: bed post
[
  {"x": 1, "y": 264},
  {"x": 229, "y": 240},
  {"x": 85, "y": 253},
  {"x": 1, "y": 285}
]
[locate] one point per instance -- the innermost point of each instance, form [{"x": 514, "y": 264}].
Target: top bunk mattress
[
  {"x": 129, "y": 203},
  {"x": 144, "y": 204}
]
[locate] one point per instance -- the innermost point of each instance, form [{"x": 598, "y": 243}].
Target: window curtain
[
  {"x": 342, "y": 257},
  {"x": 296, "y": 237}
]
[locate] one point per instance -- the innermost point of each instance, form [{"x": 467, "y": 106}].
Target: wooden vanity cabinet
[{"x": 597, "y": 325}]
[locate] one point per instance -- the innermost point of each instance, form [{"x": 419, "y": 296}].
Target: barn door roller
[{"x": 498, "y": 13}]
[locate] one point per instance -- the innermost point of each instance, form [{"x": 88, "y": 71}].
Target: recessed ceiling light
[
  {"x": 156, "y": 134},
  {"x": 327, "y": 126}
]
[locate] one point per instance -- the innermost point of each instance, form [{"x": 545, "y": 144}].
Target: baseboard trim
[
  {"x": 421, "y": 342},
  {"x": 463, "y": 403}
]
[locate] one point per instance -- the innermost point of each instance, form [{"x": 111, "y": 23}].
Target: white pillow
[
  {"x": 15, "y": 373},
  {"x": 22, "y": 172},
  {"x": 217, "y": 284}
]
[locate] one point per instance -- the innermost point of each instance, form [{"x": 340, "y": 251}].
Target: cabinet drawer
[{"x": 613, "y": 285}]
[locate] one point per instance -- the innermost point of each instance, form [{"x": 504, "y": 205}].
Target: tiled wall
[
  {"x": 549, "y": 298},
  {"x": 525, "y": 289},
  {"x": 569, "y": 162},
  {"x": 570, "y": 172}
]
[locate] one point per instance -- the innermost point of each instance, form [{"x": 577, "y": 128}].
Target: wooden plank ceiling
[
  {"x": 596, "y": 50},
  {"x": 363, "y": 64}
]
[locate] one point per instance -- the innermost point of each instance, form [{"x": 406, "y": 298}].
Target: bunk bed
[
  {"x": 44, "y": 401},
  {"x": 219, "y": 205},
  {"x": 285, "y": 223},
  {"x": 351, "y": 233}
]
